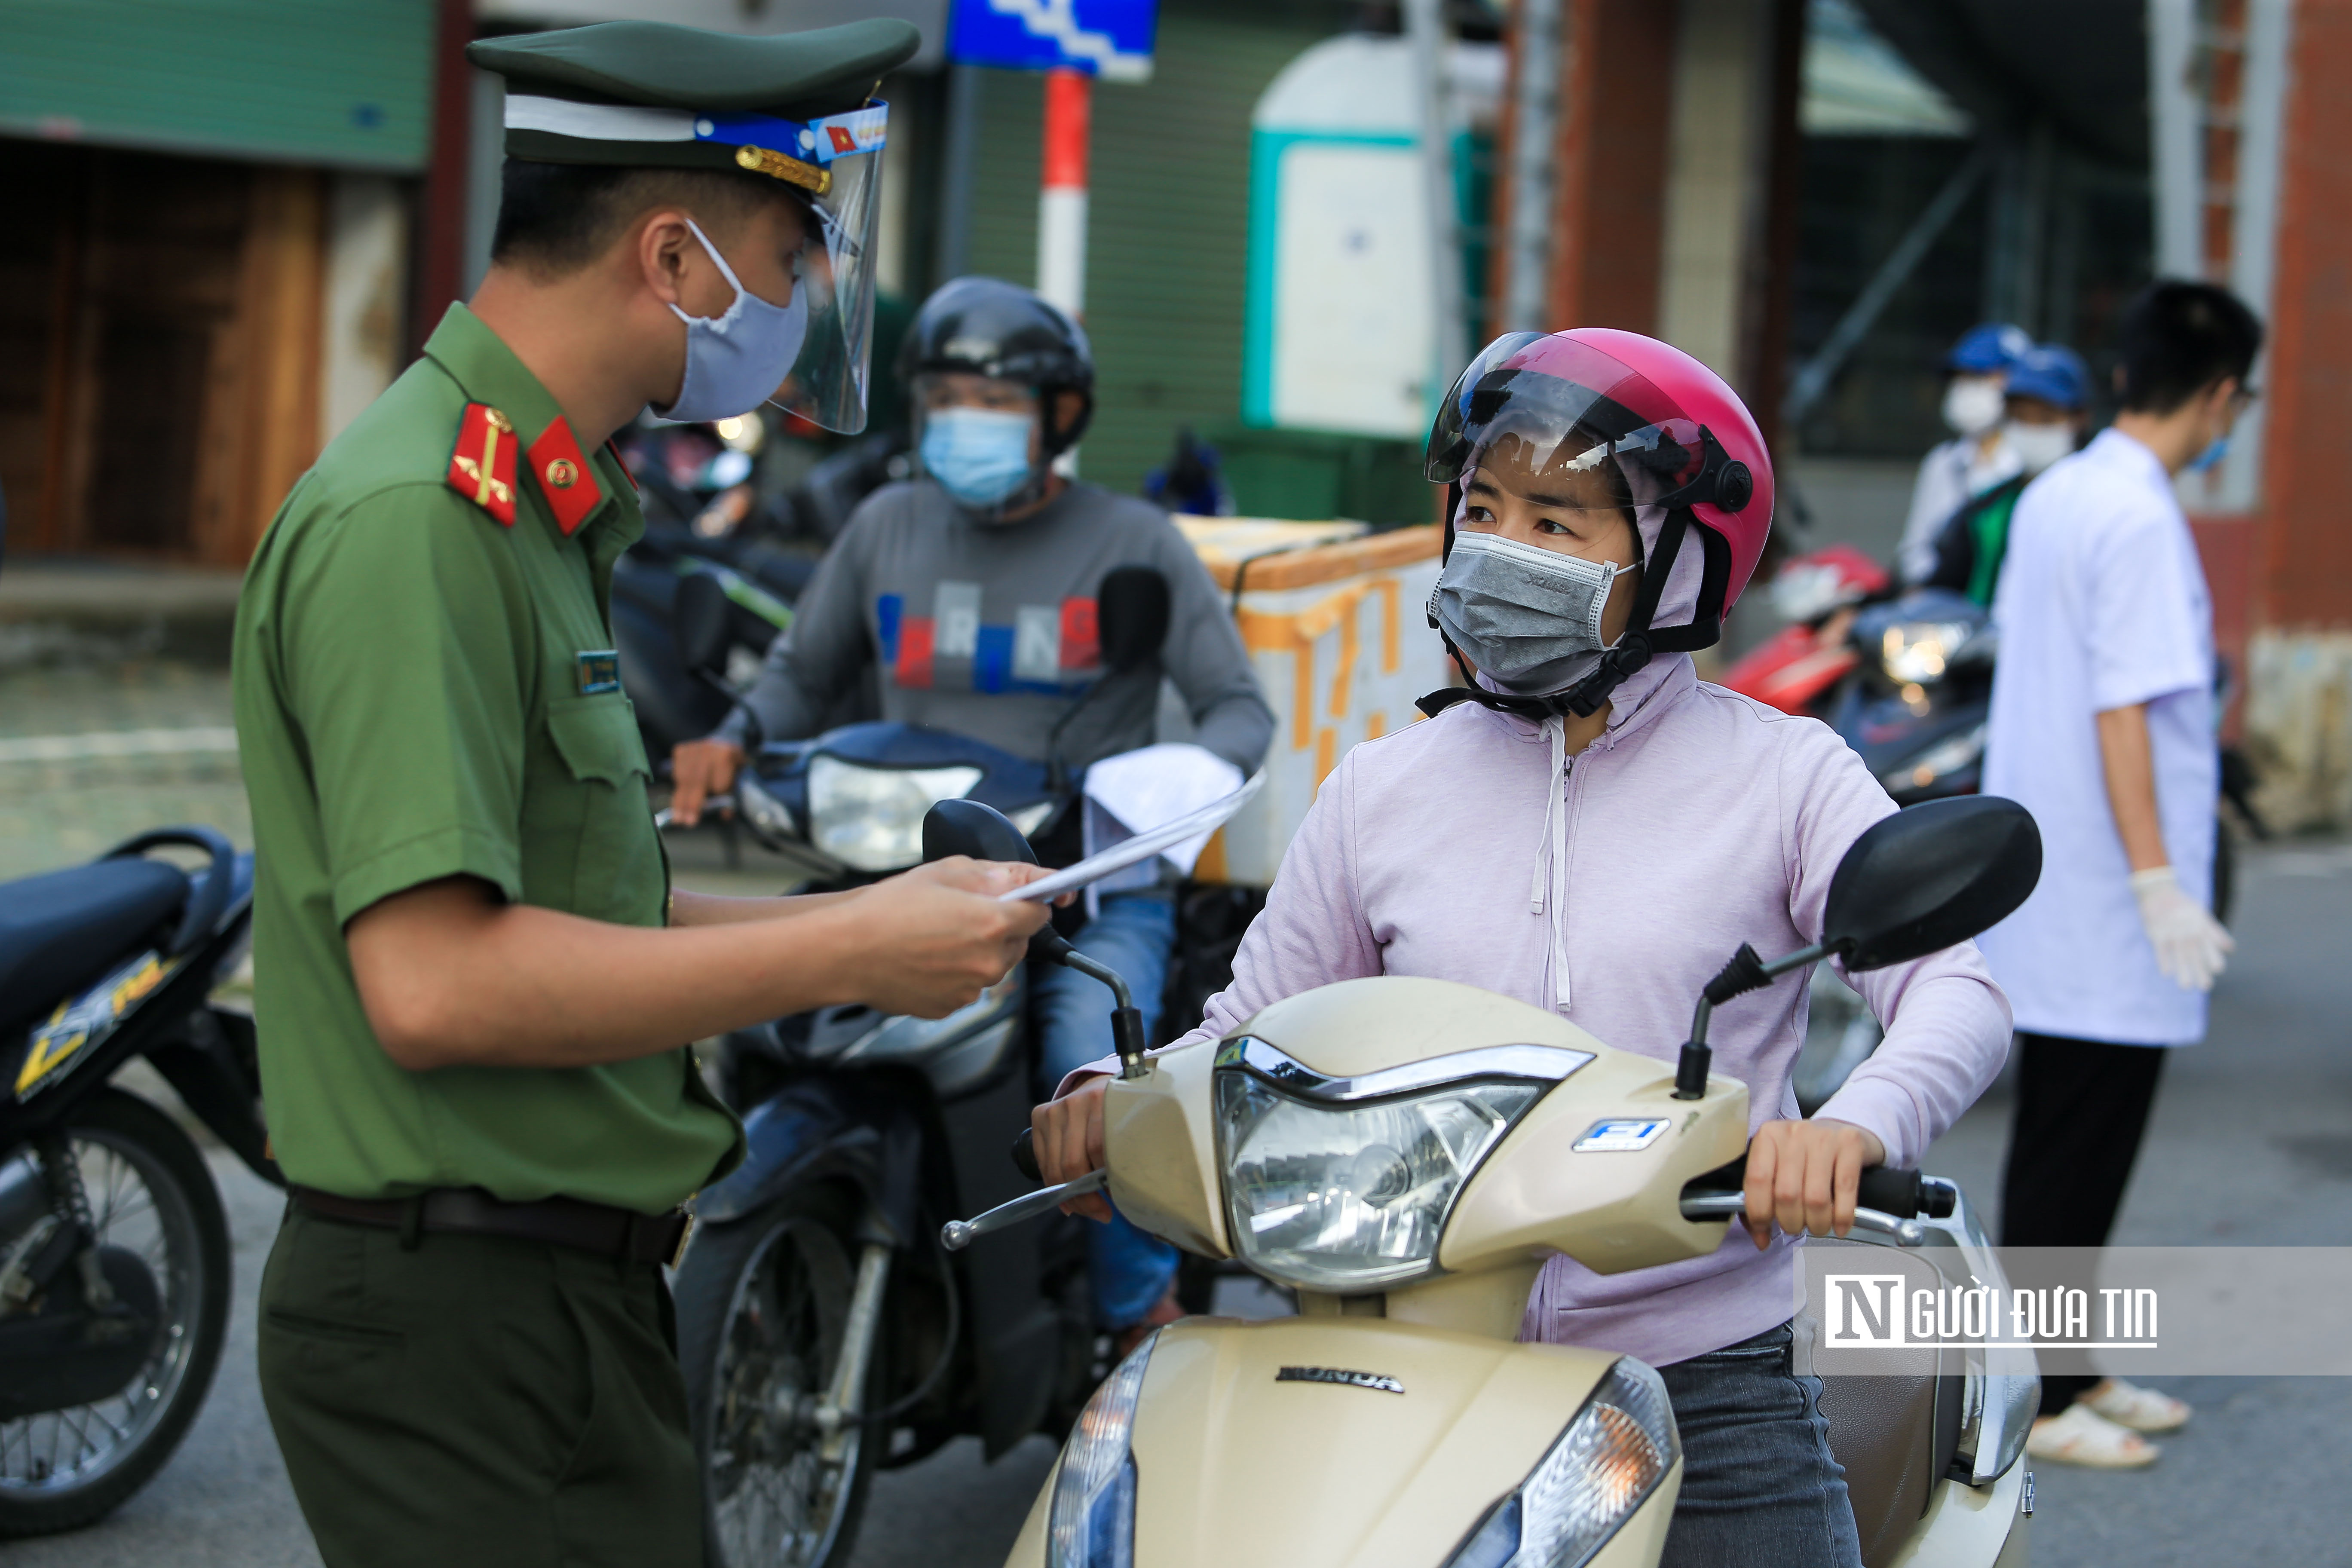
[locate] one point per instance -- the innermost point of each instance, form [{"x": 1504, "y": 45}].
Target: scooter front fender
[{"x": 1239, "y": 1467}]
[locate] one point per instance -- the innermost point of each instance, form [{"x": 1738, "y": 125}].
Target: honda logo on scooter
[{"x": 1379, "y": 1382}]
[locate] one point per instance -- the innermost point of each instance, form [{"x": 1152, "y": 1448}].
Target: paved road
[{"x": 2252, "y": 1145}]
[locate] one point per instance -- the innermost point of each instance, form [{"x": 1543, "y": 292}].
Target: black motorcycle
[
  {"x": 823, "y": 1332},
  {"x": 114, "y": 1251}
]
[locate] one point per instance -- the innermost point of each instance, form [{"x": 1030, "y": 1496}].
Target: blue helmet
[
  {"x": 1988, "y": 350},
  {"x": 2053, "y": 373}
]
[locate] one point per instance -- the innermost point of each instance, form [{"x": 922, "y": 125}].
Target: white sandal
[
  {"x": 2140, "y": 1409},
  {"x": 2079, "y": 1434}
]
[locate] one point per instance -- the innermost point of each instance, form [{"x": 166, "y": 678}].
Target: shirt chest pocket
[{"x": 615, "y": 870}]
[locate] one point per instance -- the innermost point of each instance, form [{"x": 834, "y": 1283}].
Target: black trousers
[
  {"x": 2082, "y": 1107},
  {"x": 476, "y": 1402}
]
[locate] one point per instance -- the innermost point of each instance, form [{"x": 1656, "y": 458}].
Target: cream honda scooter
[{"x": 1404, "y": 1154}]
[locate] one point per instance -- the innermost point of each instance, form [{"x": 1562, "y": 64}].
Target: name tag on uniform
[{"x": 600, "y": 671}]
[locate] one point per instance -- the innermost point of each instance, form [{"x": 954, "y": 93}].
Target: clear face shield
[{"x": 828, "y": 383}]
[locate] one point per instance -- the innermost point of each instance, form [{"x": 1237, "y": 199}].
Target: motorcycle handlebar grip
[
  {"x": 1892, "y": 1192},
  {"x": 1024, "y": 1154}
]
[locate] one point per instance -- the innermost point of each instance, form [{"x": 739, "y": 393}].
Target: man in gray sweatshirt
[{"x": 970, "y": 595}]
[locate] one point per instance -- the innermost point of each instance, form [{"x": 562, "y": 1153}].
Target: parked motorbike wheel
[
  {"x": 151, "y": 1200},
  {"x": 762, "y": 1305}
]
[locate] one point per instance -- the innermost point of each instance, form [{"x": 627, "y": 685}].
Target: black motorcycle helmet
[{"x": 985, "y": 326}]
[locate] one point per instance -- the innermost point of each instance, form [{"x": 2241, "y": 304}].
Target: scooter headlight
[
  {"x": 871, "y": 819},
  {"x": 1916, "y": 653},
  {"x": 1607, "y": 1462},
  {"x": 1092, "y": 1521},
  {"x": 1350, "y": 1198}
]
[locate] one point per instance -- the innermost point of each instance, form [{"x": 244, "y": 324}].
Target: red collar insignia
[
  {"x": 482, "y": 468},
  {"x": 564, "y": 477}
]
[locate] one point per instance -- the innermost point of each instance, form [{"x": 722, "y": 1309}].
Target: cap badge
[{"x": 776, "y": 166}]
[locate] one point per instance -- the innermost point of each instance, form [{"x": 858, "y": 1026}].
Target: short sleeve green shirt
[{"x": 425, "y": 690}]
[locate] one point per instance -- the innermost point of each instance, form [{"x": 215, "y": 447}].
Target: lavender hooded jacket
[{"x": 1608, "y": 886}]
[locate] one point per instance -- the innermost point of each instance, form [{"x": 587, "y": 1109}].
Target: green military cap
[{"x": 654, "y": 95}]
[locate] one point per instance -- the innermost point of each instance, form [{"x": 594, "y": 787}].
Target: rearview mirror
[
  {"x": 1928, "y": 876},
  {"x": 970, "y": 828},
  {"x": 985, "y": 833},
  {"x": 699, "y": 624},
  {"x": 1131, "y": 615}
]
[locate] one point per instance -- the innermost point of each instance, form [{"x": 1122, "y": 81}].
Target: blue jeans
[
  {"x": 1759, "y": 1487},
  {"x": 1133, "y": 935}
]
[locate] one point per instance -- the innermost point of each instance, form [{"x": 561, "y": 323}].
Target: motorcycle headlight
[
  {"x": 1610, "y": 1459},
  {"x": 1915, "y": 653},
  {"x": 1350, "y": 1198},
  {"x": 1946, "y": 757},
  {"x": 1092, "y": 1519},
  {"x": 769, "y": 817},
  {"x": 871, "y": 819}
]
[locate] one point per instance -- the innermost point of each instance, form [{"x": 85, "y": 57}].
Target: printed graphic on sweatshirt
[{"x": 1049, "y": 650}]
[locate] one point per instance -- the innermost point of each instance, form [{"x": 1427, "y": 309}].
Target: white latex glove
[{"x": 2192, "y": 947}]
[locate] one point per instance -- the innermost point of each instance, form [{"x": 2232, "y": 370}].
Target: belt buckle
[{"x": 685, "y": 1236}]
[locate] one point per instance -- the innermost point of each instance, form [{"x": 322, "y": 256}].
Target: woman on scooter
[{"x": 1590, "y": 828}]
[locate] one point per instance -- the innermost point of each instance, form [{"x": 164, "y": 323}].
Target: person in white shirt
[
  {"x": 1977, "y": 457},
  {"x": 2102, "y": 725}
]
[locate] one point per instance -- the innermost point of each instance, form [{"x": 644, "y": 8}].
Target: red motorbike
[{"x": 1800, "y": 669}]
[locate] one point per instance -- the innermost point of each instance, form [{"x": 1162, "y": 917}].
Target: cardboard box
[{"x": 1333, "y": 619}]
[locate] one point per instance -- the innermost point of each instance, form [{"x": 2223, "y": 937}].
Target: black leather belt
[{"x": 599, "y": 1228}]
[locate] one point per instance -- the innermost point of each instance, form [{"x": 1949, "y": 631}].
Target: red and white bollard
[{"x": 1062, "y": 206}]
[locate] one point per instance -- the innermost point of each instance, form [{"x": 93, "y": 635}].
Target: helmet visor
[
  {"x": 828, "y": 383},
  {"x": 1566, "y": 418}
]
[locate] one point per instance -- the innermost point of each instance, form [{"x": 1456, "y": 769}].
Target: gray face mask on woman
[{"x": 1529, "y": 619}]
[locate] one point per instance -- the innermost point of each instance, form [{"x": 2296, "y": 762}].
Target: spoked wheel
[
  {"x": 151, "y": 1199},
  {"x": 762, "y": 1305}
]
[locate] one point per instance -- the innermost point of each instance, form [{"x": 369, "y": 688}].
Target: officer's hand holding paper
[{"x": 1169, "y": 797}]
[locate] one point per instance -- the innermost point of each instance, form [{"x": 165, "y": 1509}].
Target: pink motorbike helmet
[{"x": 1687, "y": 458}]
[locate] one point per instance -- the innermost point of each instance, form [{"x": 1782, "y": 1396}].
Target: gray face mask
[{"x": 1528, "y": 618}]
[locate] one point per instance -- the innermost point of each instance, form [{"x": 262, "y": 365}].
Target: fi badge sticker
[
  {"x": 1628, "y": 1135},
  {"x": 600, "y": 671}
]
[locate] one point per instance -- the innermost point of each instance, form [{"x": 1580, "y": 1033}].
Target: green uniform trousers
[{"x": 476, "y": 1400}]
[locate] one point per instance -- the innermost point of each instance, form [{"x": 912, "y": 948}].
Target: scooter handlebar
[{"x": 1734, "y": 1206}]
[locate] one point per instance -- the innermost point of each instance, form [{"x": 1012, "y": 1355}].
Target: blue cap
[
  {"x": 2052, "y": 373},
  {"x": 1989, "y": 349}
]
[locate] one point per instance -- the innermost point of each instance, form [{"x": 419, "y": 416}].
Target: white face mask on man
[
  {"x": 2039, "y": 446},
  {"x": 1972, "y": 403}
]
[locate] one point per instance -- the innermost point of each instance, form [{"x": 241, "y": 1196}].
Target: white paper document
[
  {"x": 1137, "y": 791},
  {"x": 1142, "y": 847}
]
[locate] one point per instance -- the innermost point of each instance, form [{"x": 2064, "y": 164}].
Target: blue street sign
[{"x": 1108, "y": 38}]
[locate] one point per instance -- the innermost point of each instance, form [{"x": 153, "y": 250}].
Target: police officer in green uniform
[{"x": 472, "y": 977}]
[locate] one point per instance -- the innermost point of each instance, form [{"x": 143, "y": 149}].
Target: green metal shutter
[
  {"x": 1167, "y": 227},
  {"x": 300, "y": 82}
]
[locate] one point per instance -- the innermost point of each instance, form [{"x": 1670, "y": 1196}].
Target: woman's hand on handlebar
[
  {"x": 1802, "y": 1176},
  {"x": 1069, "y": 1143}
]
